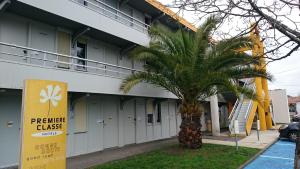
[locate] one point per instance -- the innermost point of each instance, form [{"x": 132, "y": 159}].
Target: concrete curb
[{"x": 258, "y": 154}]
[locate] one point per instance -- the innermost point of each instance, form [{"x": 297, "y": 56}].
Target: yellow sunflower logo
[{"x": 52, "y": 95}]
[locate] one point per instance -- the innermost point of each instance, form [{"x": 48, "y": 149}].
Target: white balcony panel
[
  {"x": 93, "y": 18},
  {"x": 13, "y": 74}
]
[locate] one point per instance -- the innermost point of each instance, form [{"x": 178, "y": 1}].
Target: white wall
[
  {"x": 91, "y": 18},
  {"x": 298, "y": 107},
  {"x": 22, "y": 31},
  {"x": 123, "y": 129},
  {"x": 119, "y": 128},
  {"x": 280, "y": 106},
  {"x": 13, "y": 75}
]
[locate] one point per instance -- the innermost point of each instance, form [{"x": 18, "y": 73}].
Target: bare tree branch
[{"x": 277, "y": 20}]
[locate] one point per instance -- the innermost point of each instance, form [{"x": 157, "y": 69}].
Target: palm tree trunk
[{"x": 190, "y": 135}]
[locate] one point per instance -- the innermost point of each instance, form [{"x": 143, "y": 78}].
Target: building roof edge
[{"x": 172, "y": 14}]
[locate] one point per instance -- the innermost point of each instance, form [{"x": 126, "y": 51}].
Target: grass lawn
[{"x": 210, "y": 156}]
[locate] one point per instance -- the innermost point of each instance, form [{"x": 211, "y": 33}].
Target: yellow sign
[{"x": 44, "y": 125}]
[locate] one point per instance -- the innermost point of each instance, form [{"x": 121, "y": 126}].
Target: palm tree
[{"x": 189, "y": 66}]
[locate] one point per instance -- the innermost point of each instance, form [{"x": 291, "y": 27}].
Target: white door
[
  {"x": 158, "y": 122},
  {"x": 43, "y": 37},
  {"x": 13, "y": 30},
  {"x": 95, "y": 51},
  {"x": 95, "y": 125},
  {"x": 63, "y": 47},
  {"x": 70, "y": 140},
  {"x": 165, "y": 119},
  {"x": 129, "y": 122},
  {"x": 112, "y": 55},
  {"x": 110, "y": 114},
  {"x": 178, "y": 119},
  {"x": 140, "y": 121},
  {"x": 150, "y": 121},
  {"x": 80, "y": 129},
  {"x": 10, "y": 129},
  {"x": 172, "y": 116},
  {"x": 125, "y": 61}
]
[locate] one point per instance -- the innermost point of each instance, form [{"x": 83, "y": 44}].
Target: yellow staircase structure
[
  {"x": 245, "y": 109},
  {"x": 262, "y": 105}
]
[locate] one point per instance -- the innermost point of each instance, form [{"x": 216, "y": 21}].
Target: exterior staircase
[{"x": 243, "y": 107}]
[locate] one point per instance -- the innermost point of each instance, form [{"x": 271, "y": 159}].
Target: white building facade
[
  {"x": 85, "y": 44},
  {"x": 280, "y": 107}
]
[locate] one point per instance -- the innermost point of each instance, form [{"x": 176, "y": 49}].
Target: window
[
  {"x": 150, "y": 118},
  {"x": 147, "y": 20},
  {"x": 158, "y": 113},
  {"x": 81, "y": 53},
  {"x": 84, "y": 2},
  {"x": 150, "y": 110}
]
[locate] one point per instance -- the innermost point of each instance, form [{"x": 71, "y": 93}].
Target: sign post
[
  {"x": 258, "y": 128},
  {"x": 44, "y": 125},
  {"x": 236, "y": 132}
]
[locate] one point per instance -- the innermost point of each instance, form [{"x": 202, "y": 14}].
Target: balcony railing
[
  {"x": 25, "y": 55},
  {"x": 113, "y": 13}
]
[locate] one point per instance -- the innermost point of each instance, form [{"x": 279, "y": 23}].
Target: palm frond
[{"x": 188, "y": 65}]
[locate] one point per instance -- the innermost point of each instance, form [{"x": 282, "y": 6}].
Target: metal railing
[
  {"x": 236, "y": 108},
  {"x": 237, "y": 102},
  {"x": 234, "y": 113},
  {"x": 253, "y": 87},
  {"x": 25, "y": 55},
  {"x": 113, "y": 13}
]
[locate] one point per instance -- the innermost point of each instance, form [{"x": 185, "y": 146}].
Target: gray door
[
  {"x": 125, "y": 61},
  {"x": 95, "y": 51},
  {"x": 70, "y": 140},
  {"x": 112, "y": 54},
  {"x": 172, "y": 115},
  {"x": 158, "y": 121},
  {"x": 150, "y": 120},
  {"x": 110, "y": 114},
  {"x": 13, "y": 30},
  {"x": 178, "y": 119},
  {"x": 10, "y": 113},
  {"x": 95, "y": 125},
  {"x": 140, "y": 121},
  {"x": 129, "y": 122},
  {"x": 43, "y": 38},
  {"x": 165, "y": 119},
  {"x": 63, "y": 47}
]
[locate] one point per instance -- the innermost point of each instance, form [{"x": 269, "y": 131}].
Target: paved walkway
[
  {"x": 279, "y": 156},
  {"x": 266, "y": 138}
]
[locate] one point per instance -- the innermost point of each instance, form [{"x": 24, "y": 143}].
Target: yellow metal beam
[
  {"x": 256, "y": 51},
  {"x": 251, "y": 117},
  {"x": 262, "y": 105},
  {"x": 261, "y": 110},
  {"x": 172, "y": 14},
  {"x": 267, "y": 104}
]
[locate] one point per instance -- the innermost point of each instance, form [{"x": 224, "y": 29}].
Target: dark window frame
[
  {"x": 158, "y": 113},
  {"x": 81, "y": 63}
]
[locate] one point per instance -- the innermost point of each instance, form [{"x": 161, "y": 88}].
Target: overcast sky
[{"x": 286, "y": 72}]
